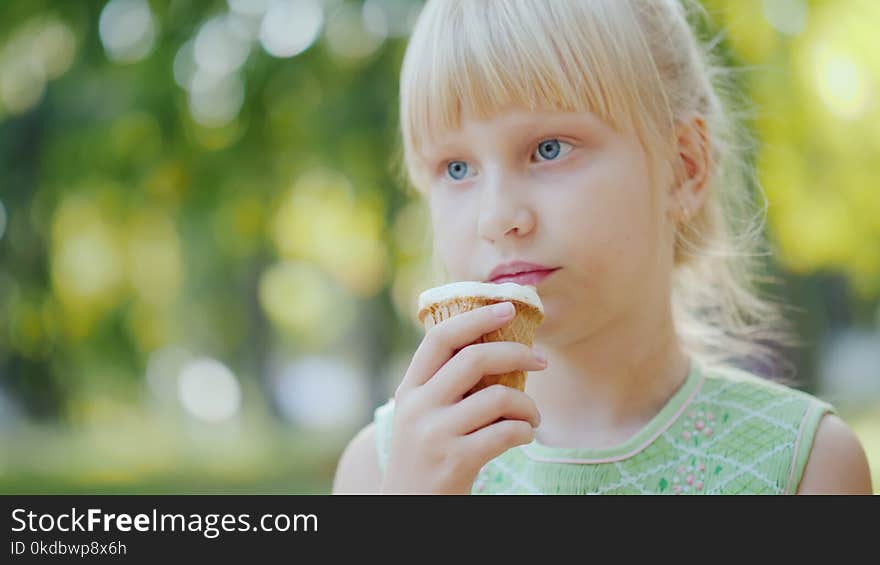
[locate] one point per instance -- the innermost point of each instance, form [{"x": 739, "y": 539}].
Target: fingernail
[
  {"x": 539, "y": 355},
  {"x": 503, "y": 309}
]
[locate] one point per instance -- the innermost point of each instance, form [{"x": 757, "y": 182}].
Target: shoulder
[
  {"x": 767, "y": 429},
  {"x": 727, "y": 381},
  {"x": 827, "y": 455},
  {"x": 837, "y": 462},
  {"x": 762, "y": 399},
  {"x": 358, "y": 469}
]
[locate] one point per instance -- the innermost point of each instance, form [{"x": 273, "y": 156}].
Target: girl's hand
[{"x": 439, "y": 441}]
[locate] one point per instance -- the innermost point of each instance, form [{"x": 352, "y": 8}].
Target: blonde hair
[{"x": 640, "y": 66}]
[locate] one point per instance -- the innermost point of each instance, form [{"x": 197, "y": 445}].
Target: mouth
[{"x": 531, "y": 277}]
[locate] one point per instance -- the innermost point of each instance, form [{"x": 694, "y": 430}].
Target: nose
[{"x": 503, "y": 209}]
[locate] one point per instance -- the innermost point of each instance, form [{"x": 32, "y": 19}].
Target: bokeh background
[{"x": 208, "y": 265}]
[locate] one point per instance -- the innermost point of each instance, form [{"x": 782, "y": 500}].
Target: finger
[
  {"x": 469, "y": 365},
  {"x": 444, "y": 339},
  {"x": 489, "y": 442},
  {"x": 488, "y": 405}
]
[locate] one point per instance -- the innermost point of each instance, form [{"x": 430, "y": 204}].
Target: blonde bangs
[{"x": 476, "y": 58}]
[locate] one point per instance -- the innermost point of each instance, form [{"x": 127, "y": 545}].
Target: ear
[{"x": 693, "y": 169}]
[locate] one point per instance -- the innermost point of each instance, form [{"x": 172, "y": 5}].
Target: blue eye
[
  {"x": 457, "y": 169},
  {"x": 550, "y": 149}
]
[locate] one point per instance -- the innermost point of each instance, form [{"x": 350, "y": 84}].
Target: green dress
[{"x": 725, "y": 431}]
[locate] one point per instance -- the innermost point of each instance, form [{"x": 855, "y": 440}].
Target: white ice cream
[{"x": 499, "y": 291}]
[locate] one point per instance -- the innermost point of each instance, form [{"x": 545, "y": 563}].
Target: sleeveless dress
[{"x": 725, "y": 431}]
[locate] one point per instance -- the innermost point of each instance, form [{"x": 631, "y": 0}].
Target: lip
[{"x": 521, "y": 272}]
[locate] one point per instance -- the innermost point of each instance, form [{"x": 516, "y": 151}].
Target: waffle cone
[{"x": 520, "y": 329}]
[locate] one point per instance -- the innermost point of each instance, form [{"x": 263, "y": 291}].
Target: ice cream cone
[{"x": 443, "y": 302}]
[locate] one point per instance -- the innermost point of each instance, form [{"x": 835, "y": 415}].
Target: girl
[{"x": 587, "y": 138}]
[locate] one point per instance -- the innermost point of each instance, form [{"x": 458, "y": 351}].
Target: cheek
[
  {"x": 450, "y": 232},
  {"x": 608, "y": 217}
]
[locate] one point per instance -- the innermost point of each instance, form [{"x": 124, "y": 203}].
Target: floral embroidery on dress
[
  {"x": 699, "y": 423},
  {"x": 688, "y": 478}
]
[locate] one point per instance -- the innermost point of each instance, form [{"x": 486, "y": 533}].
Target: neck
[{"x": 600, "y": 390}]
